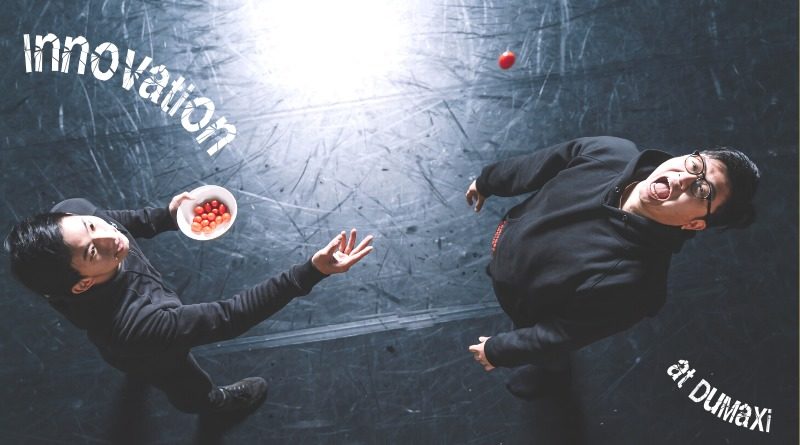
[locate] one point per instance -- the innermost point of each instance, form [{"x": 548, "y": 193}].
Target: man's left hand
[
  {"x": 176, "y": 202},
  {"x": 480, "y": 356},
  {"x": 341, "y": 253}
]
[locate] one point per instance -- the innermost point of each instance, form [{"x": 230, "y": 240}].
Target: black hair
[
  {"x": 738, "y": 210},
  {"x": 40, "y": 259}
]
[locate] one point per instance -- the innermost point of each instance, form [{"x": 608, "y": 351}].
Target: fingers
[
  {"x": 474, "y": 194},
  {"x": 342, "y": 241},
  {"x": 356, "y": 257},
  {"x": 333, "y": 245},
  {"x": 482, "y": 339},
  {"x": 478, "y": 355},
  {"x": 351, "y": 242},
  {"x": 364, "y": 243},
  {"x": 178, "y": 200},
  {"x": 479, "y": 204}
]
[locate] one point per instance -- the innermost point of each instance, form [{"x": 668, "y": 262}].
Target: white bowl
[{"x": 202, "y": 194}]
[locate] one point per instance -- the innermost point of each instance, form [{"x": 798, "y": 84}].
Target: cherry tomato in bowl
[{"x": 210, "y": 215}]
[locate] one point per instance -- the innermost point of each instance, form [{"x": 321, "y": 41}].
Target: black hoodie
[
  {"x": 140, "y": 325},
  {"x": 570, "y": 267}
]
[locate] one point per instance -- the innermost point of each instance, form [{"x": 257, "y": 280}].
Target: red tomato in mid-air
[{"x": 506, "y": 60}]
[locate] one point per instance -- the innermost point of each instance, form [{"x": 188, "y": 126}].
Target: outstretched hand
[
  {"x": 339, "y": 255},
  {"x": 473, "y": 193}
]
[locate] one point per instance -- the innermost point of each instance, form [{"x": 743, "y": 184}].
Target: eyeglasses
[{"x": 701, "y": 189}]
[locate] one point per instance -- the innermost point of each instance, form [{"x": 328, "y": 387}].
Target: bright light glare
[{"x": 330, "y": 50}]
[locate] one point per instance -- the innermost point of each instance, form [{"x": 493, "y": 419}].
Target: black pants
[{"x": 185, "y": 384}]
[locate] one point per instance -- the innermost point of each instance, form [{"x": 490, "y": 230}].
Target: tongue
[{"x": 661, "y": 189}]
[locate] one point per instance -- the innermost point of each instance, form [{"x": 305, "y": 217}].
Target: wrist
[{"x": 316, "y": 262}]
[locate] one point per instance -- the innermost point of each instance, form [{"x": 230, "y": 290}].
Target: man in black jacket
[
  {"x": 87, "y": 264},
  {"x": 586, "y": 255}
]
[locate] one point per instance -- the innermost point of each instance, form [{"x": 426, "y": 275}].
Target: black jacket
[
  {"x": 570, "y": 267},
  {"x": 140, "y": 325}
]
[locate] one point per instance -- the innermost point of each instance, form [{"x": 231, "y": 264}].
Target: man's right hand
[
  {"x": 473, "y": 193},
  {"x": 339, "y": 255}
]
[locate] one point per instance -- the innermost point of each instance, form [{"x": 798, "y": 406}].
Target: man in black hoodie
[
  {"x": 86, "y": 262},
  {"x": 586, "y": 255}
]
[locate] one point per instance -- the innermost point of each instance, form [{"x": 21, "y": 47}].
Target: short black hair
[
  {"x": 40, "y": 259},
  {"x": 738, "y": 210}
]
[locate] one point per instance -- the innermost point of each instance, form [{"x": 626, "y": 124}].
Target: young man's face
[
  {"x": 666, "y": 195},
  {"x": 97, "y": 248}
]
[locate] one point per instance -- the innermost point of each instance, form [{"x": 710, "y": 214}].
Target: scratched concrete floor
[{"x": 388, "y": 142}]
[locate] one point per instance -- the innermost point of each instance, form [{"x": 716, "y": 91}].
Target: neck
[
  {"x": 108, "y": 276},
  {"x": 626, "y": 202}
]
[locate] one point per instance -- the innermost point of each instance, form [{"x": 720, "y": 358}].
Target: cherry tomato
[
  {"x": 506, "y": 60},
  {"x": 209, "y": 216}
]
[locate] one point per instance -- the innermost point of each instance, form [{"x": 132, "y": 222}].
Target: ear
[
  {"x": 695, "y": 224},
  {"x": 83, "y": 285}
]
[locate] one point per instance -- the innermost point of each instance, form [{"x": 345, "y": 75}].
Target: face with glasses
[{"x": 682, "y": 191}]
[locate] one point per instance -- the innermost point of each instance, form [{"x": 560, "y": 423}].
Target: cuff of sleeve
[
  {"x": 483, "y": 187},
  {"x": 500, "y": 352},
  {"x": 162, "y": 219},
  {"x": 491, "y": 352},
  {"x": 170, "y": 224},
  {"x": 307, "y": 275}
]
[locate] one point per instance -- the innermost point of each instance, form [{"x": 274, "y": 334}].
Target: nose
[
  {"x": 685, "y": 180},
  {"x": 104, "y": 237}
]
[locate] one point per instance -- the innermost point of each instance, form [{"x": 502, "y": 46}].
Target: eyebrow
[{"x": 86, "y": 250}]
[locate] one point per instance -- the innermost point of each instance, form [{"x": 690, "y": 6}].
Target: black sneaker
[{"x": 244, "y": 394}]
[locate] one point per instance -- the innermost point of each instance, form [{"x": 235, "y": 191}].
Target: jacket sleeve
[
  {"x": 145, "y": 223},
  {"x": 526, "y": 173},
  {"x": 191, "y": 325},
  {"x": 554, "y": 336}
]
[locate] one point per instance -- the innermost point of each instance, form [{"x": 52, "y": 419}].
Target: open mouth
[{"x": 660, "y": 189}]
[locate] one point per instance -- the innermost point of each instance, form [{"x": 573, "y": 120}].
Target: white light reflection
[{"x": 329, "y": 50}]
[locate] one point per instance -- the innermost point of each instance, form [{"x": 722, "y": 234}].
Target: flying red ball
[{"x": 506, "y": 60}]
